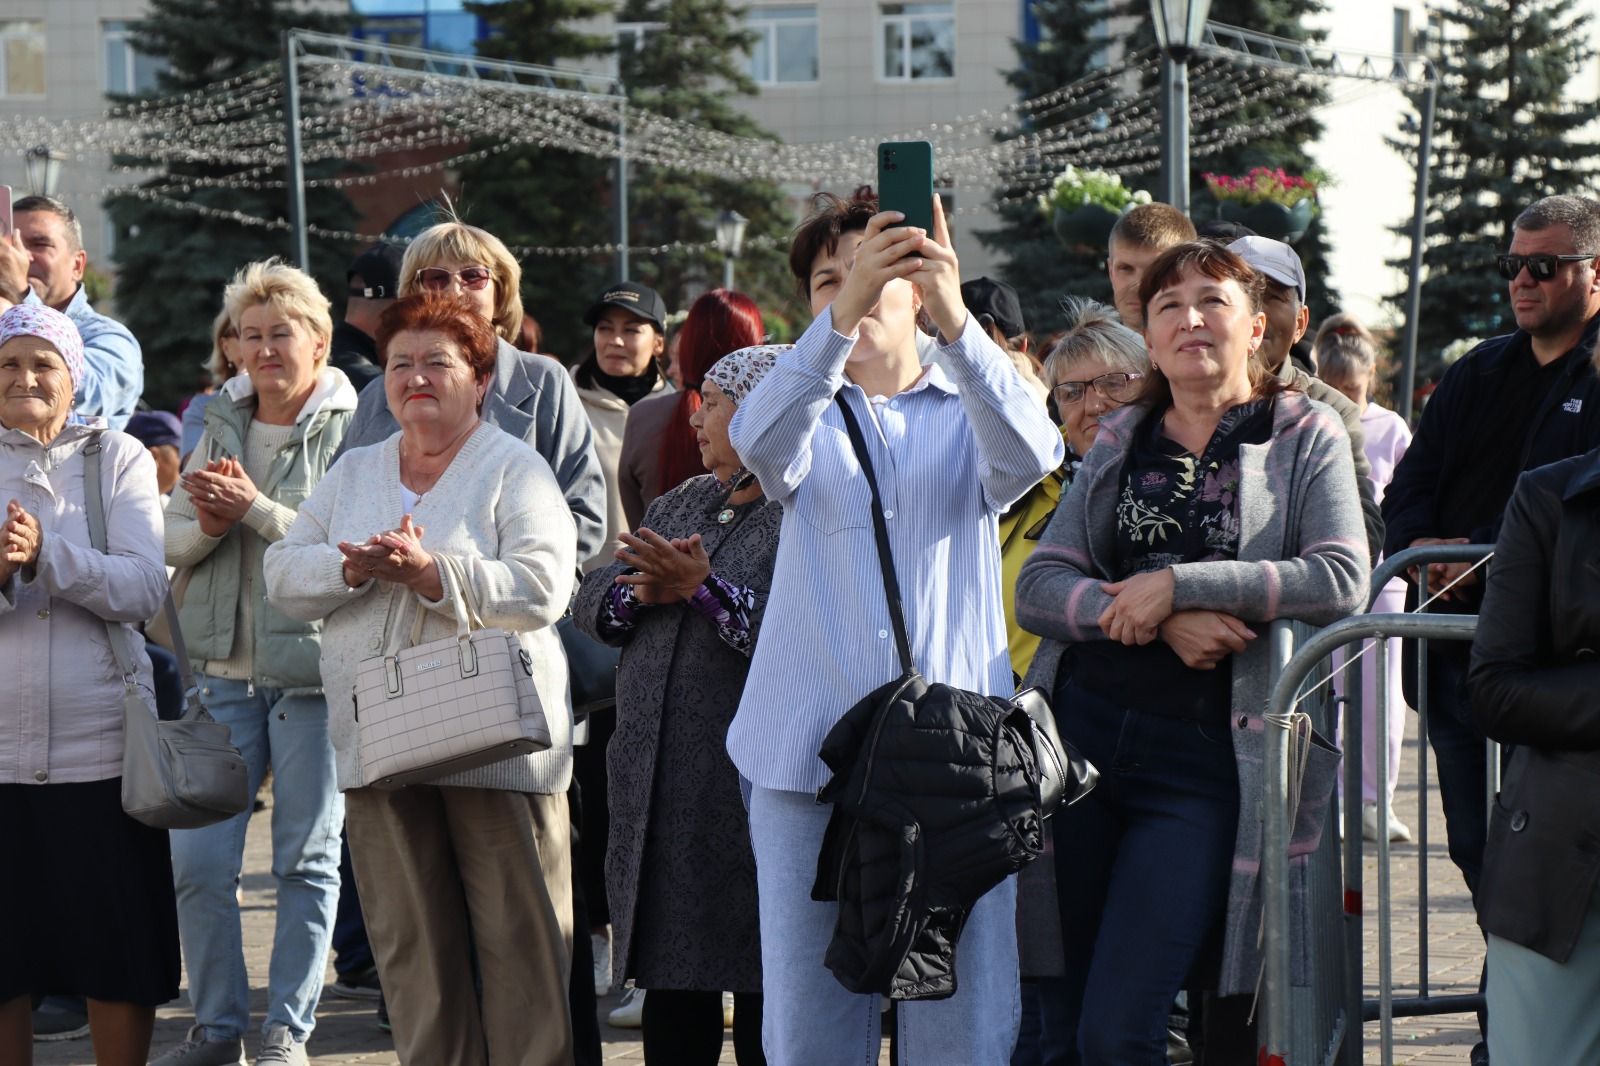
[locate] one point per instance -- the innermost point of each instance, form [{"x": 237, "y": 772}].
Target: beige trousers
[{"x": 448, "y": 872}]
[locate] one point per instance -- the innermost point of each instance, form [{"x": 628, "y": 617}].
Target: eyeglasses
[
  {"x": 1541, "y": 267},
  {"x": 1116, "y": 387},
  {"x": 437, "y": 279}
]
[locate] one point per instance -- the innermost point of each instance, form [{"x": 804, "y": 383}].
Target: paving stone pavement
[{"x": 346, "y": 1033}]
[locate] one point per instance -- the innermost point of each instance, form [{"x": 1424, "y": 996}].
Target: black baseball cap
[
  {"x": 632, "y": 297},
  {"x": 379, "y": 270},
  {"x": 996, "y": 300}
]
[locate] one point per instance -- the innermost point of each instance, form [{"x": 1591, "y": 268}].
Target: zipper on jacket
[{"x": 250, "y": 688}]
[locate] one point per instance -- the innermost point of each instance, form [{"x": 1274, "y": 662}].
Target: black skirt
[{"x": 88, "y": 897}]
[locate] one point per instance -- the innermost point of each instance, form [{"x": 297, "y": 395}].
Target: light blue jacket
[{"x": 113, "y": 374}]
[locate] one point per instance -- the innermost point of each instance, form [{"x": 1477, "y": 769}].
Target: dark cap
[
  {"x": 997, "y": 300},
  {"x": 155, "y": 428},
  {"x": 638, "y": 299},
  {"x": 1222, "y": 231},
  {"x": 379, "y": 270}
]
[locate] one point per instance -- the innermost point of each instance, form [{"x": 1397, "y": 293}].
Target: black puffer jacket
[{"x": 935, "y": 801}]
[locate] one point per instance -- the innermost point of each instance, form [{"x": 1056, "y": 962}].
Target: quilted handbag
[
  {"x": 449, "y": 705},
  {"x": 183, "y": 774}
]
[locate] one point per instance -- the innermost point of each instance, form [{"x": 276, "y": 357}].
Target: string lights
[{"x": 356, "y": 112}]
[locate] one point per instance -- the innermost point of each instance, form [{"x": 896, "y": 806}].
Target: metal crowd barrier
[{"x": 1321, "y": 1023}]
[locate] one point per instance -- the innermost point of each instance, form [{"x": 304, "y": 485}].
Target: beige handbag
[{"x": 449, "y": 705}]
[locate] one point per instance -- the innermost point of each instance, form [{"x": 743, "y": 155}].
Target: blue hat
[{"x": 154, "y": 428}]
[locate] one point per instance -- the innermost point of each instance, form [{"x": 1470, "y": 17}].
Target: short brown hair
[
  {"x": 831, "y": 218},
  {"x": 448, "y": 314},
  {"x": 1156, "y": 226},
  {"x": 1219, "y": 264}
]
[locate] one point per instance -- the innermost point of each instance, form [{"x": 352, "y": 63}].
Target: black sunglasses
[{"x": 1541, "y": 266}]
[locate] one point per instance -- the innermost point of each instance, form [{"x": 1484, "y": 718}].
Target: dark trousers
[
  {"x": 1142, "y": 869},
  {"x": 1043, "y": 1038},
  {"x": 351, "y": 952},
  {"x": 1461, "y": 757},
  {"x": 580, "y": 989},
  {"x": 684, "y": 1028},
  {"x": 589, "y": 771}
]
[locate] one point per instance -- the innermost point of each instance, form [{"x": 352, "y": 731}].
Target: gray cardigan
[
  {"x": 530, "y": 397},
  {"x": 1302, "y": 554}
]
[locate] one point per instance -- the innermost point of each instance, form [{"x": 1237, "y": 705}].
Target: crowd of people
[{"x": 678, "y": 535}]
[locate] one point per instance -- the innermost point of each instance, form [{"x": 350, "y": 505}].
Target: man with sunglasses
[{"x": 1513, "y": 403}]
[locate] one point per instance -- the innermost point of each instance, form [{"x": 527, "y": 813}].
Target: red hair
[
  {"x": 442, "y": 313},
  {"x": 721, "y": 321}
]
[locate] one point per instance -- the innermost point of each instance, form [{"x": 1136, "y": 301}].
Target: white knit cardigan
[{"x": 498, "y": 511}]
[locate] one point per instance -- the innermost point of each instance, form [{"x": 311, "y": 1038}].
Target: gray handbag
[
  {"x": 450, "y": 705},
  {"x": 175, "y": 775}
]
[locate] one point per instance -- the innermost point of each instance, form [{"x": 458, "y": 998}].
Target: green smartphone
[{"x": 905, "y": 181}]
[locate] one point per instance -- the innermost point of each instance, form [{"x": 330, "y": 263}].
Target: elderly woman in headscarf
[
  {"x": 684, "y": 601},
  {"x": 88, "y": 894}
]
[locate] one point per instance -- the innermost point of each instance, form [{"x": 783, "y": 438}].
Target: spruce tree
[
  {"x": 690, "y": 70},
  {"x": 546, "y": 196},
  {"x": 172, "y": 264},
  {"x": 1505, "y": 135},
  {"x": 1036, "y": 263}
]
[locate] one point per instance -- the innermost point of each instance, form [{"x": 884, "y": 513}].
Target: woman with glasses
[
  {"x": 529, "y": 395},
  {"x": 1092, "y": 368},
  {"x": 1215, "y": 503}
]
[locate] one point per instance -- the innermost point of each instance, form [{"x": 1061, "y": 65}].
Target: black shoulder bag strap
[{"x": 880, "y": 529}]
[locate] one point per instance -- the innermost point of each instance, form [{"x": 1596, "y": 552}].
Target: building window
[
  {"x": 1402, "y": 31},
  {"x": 786, "y": 50},
  {"x": 919, "y": 41},
  {"x": 633, "y": 36},
  {"x": 21, "y": 57},
  {"x": 129, "y": 72}
]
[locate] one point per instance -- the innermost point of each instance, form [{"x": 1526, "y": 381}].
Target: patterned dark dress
[{"x": 680, "y": 875}]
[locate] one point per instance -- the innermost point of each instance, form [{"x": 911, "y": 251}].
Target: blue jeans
[
  {"x": 1142, "y": 868},
  {"x": 1042, "y": 1040},
  {"x": 810, "y": 1018},
  {"x": 289, "y": 733},
  {"x": 352, "y": 952}
]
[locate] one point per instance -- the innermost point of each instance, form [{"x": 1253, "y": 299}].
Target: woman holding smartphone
[{"x": 951, "y": 449}]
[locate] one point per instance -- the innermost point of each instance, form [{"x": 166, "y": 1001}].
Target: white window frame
[
  {"x": 768, "y": 28},
  {"x": 130, "y": 54},
  {"x": 7, "y": 33},
  {"x": 637, "y": 31},
  {"x": 904, "y": 21}
]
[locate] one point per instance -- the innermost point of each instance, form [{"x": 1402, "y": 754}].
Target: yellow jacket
[{"x": 1020, "y": 529}]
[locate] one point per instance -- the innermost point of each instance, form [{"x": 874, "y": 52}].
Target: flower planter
[
  {"x": 1287, "y": 224},
  {"x": 1088, "y": 226}
]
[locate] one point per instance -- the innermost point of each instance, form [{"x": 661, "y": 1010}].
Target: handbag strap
[
  {"x": 880, "y": 529},
  {"x": 95, "y": 514},
  {"x": 464, "y": 603}
]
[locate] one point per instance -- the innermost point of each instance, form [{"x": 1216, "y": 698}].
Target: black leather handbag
[{"x": 1064, "y": 775}]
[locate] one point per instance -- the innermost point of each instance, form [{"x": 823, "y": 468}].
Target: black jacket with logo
[
  {"x": 1466, "y": 405},
  {"x": 1535, "y": 684}
]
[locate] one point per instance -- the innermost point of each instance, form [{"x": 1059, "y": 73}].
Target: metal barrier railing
[{"x": 1320, "y": 1033}]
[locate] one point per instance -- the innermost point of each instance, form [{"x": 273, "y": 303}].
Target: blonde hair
[
  {"x": 1097, "y": 334},
  {"x": 455, "y": 241},
  {"x": 283, "y": 288},
  {"x": 1345, "y": 349},
  {"x": 218, "y": 366}
]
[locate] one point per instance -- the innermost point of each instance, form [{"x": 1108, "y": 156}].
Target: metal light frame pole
[
  {"x": 301, "y": 47},
  {"x": 1247, "y": 46}
]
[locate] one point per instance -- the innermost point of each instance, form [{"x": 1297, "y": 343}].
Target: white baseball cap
[{"x": 1274, "y": 259}]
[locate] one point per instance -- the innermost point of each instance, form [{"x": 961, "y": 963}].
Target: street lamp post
[
  {"x": 1179, "y": 25},
  {"x": 730, "y": 238},
  {"x": 43, "y": 167}
]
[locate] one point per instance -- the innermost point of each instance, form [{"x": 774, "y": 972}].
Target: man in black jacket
[
  {"x": 1513, "y": 403},
  {"x": 374, "y": 280}
]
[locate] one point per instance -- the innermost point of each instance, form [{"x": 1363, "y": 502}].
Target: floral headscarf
[
  {"x": 50, "y": 326},
  {"x": 737, "y": 373}
]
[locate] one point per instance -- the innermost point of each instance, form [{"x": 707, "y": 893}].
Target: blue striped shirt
[{"x": 950, "y": 453}]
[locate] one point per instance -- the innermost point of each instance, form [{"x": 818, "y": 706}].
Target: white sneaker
[
  {"x": 629, "y": 1014},
  {"x": 727, "y": 1010},
  {"x": 1399, "y": 832},
  {"x": 601, "y": 943}
]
